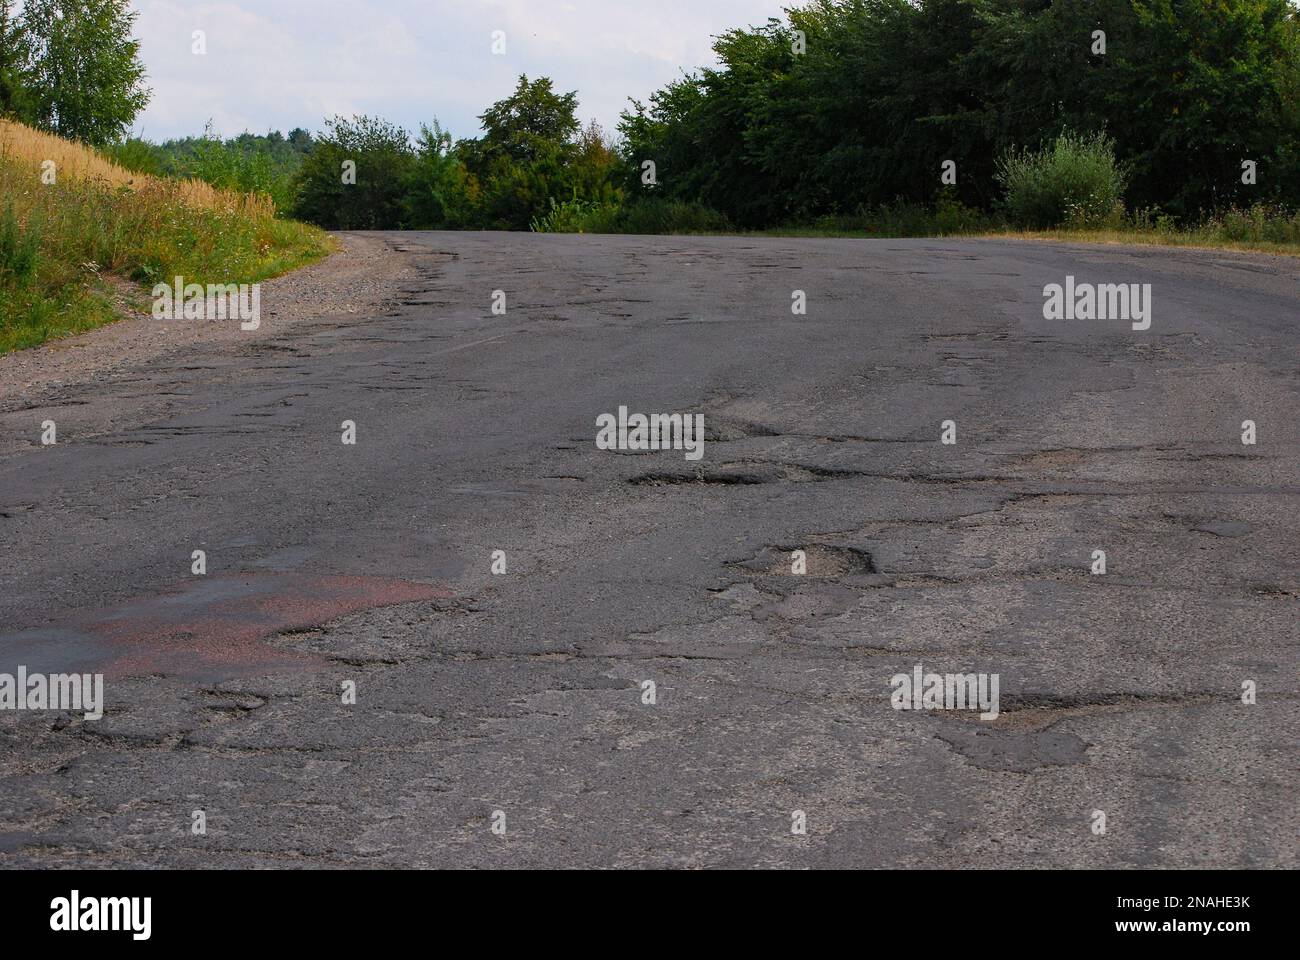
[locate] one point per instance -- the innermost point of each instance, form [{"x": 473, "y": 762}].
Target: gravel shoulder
[{"x": 365, "y": 275}]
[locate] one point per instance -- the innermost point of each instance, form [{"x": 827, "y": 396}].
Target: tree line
[
  {"x": 1039, "y": 111},
  {"x": 855, "y": 103},
  {"x": 367, "y": 173}
]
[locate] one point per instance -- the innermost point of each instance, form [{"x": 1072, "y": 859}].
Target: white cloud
[{"x": 288, "y": 63}]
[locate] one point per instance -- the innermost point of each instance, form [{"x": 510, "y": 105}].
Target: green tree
[
  {"x": 300, "y": 140},
  {"x": 1187, "y": 88},
  {"x": 1201, "y": 90},
  {"x": 595, "y": 167},
  {"x": 514, "y": 191},
  {"x": 13, "y": 58},
  {"x": 440, "y": 192},
  {"x": 530, "y": 120},
  {"x": 374, "y": 153},
  {"x": 662, "y": 132},
  {"x": 85, "y": 78},
  {"x": 863, "y": 105},
  {"x": 530, "y": 154},
  {"x": 790, "y": 127}
]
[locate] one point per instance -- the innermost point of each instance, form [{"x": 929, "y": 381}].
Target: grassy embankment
[{"x": 71, "y": 251}]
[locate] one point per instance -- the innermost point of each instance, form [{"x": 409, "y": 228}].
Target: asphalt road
[{"x": 331, "y": 565}]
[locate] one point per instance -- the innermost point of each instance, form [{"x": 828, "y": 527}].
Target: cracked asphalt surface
[{"x": 522, "y": 692}]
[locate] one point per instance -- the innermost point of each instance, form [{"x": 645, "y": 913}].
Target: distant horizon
[{"x": 409, "y": 64}]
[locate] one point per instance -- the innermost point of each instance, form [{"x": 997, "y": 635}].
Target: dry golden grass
[
  {"x": 65, "y": 242},
  {"x": 78, "y": 162}
]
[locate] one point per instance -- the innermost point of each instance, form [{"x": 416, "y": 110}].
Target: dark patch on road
[
  {"x": 745, "y": 473},
  {"x": 1019, "y": 752},
  {"x": 715, "y": 477},
  {"x": 208, "y": 629},
  {"x": 1224, "y": 528}
]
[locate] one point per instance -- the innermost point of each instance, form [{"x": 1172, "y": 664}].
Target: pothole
[
  {"x": 1224, "y": 528},
  {"x": 715, "y": 477},
  {"x": 1035, "y": 712},
  {"x": 823, "y": 561},
  {"x": 724, "y": 430},
  {"x": 743, "y": 472}
]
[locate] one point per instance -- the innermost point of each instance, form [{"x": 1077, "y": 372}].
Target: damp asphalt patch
[{"x": 207, "y": 629}]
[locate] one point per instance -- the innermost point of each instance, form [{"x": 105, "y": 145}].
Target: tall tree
[
  {"x": 86, "y": 79},
  {"x": 524, "y": 159},
  {"x": 530, "y": 120},
  {"x": 13, "y": 57}
]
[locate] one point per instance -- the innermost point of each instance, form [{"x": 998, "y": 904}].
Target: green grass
[
  {"x": 1192, "y": 239},
  {"x": 62, "y": 244},
  {"x": 1260, "y": 229},
  {"x": 646, "y": 217}
]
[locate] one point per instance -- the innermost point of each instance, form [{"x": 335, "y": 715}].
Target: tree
[
  {"x": 13, "y": 58},
  {"x": 355, "y": 177},
  {"x": 1201, "y": 91},
  {"x": 300, "y": 140},
  {"x": 530, "y": 155},
  {"x": 86, "y": 81},
  {"x": 663, "y": 133},
  {"x": 1187, "y": 89},
  {"x": 440, "y": 192},
  {"x": 532, "y": 118},
  {"x": 863, "y": 105},
  {"x": 595, "y": 167}
]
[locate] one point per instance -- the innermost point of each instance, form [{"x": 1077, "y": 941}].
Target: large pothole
[
  {"x": 742, "y": 472},
  {"x": 820, "y": 561}
]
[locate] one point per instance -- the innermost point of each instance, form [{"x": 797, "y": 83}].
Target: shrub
[
  {"x": 240, "y": 167},
  {"x": 905, "y": 219},
  {"x": 642, "y": 217},
  {"x": 1074, "y": 181},
  {"x": 18, "y": 247},
  {"x": 577, "y": 216},
  {"x": 138, "y": 156},
  {"x": 668, "y": 216},
  {"x": 1259, "y": 224},
  {"x": 952, "y": 216}
]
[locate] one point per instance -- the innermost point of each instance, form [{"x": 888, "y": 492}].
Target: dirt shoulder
[{"x": 364, "y": 275}]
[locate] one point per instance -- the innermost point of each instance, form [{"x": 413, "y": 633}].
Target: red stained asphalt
[{"x": 208, "y": 628}]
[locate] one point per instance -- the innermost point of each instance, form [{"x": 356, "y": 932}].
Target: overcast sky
[{"x": 279, "y": 64}]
